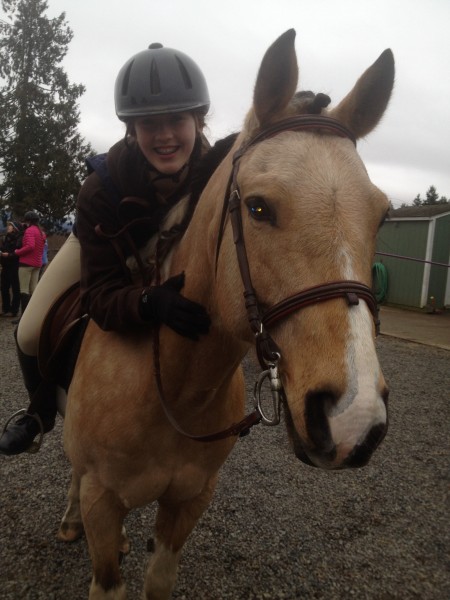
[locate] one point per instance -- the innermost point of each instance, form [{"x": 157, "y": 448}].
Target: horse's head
[{"x": 310, "y": 216}]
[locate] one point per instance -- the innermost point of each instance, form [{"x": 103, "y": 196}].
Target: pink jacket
[{"x": 30, "y": 254}]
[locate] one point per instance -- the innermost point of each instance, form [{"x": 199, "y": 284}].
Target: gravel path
[{"x": 276, "y": 529}]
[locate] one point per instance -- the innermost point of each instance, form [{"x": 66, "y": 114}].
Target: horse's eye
[{"x": 259, "y": 210}]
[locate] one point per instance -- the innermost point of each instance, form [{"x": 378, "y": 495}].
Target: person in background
[
  {"x": 162, "y": 97},
  {"x": 9, "y": 278},
  {"x": 30, "y": 257}
]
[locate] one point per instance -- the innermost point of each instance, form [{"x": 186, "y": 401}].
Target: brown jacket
[{"x": 107, "y": 293}]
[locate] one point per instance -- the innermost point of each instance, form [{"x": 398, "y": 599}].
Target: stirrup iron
[{"x": 35, "y": 445}]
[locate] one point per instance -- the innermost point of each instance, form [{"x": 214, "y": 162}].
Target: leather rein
[{"x": 267, "y": 350}]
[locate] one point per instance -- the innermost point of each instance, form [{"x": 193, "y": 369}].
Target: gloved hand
[{"x": 164, "y": 304}]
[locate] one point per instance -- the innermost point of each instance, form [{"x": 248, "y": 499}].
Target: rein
[{"x": 267, "y": 350}]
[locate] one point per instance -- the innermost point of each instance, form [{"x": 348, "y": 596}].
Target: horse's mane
[
  {"x": 310, "y": 103},
  {"x": 303, "y": 102}
]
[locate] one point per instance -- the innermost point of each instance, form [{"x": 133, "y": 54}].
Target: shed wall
[
  {"x": 405, "y": 277},
  {"x": 441, "y": 253}
]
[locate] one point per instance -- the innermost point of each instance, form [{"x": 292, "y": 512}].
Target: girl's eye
[{"x": 259, "y": 210}]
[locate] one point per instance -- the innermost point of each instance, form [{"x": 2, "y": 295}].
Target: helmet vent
[
  {"x": 184, "y": 74},
  {"x": 155, "y": 83},
  {"x": 126, "y": 79}
]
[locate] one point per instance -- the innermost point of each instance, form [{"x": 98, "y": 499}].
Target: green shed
[{"x": 414, "y": 246}]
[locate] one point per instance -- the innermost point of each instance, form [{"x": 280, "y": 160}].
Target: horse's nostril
[
  {"x": 317, "y": 423},
  {"x": 362, "y": 453}
]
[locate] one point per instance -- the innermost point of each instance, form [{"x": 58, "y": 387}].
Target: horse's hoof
[{"x": 70, "y": 532}]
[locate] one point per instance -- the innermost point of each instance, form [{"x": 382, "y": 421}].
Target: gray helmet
[
  {"x": 31, "y": 216},
  {"x": 159, "y": 80}
]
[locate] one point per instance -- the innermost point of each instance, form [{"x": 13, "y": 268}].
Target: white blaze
[{"x": 361, "y": 407}]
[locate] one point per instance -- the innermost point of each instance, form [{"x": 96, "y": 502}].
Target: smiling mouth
[{"x": 166, "y": 151}]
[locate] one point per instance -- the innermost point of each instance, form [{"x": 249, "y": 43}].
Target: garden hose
[{"x": 379, "y": 281}]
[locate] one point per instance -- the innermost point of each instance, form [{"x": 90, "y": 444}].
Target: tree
[
  {"x": 431, "y": 198},
  {"x": 41, "y": 151}
]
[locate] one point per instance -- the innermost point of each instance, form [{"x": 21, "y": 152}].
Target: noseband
[{"x": 351, "y": 291}]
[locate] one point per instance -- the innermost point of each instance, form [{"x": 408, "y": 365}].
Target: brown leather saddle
[{"x": 61, "y": 337}]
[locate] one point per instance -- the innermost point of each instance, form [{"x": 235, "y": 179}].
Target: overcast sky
[{"x": 336, "y": 41}]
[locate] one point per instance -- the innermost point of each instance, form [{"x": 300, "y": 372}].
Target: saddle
[{"x": 61, "y": 337}]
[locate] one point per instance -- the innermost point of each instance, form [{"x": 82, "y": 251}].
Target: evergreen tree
[
  {"x": 432, "y": 197},
  {"x": 41, "y": 152}
]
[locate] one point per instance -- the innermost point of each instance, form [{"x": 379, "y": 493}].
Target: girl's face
[{"x": 166, "y": 140}]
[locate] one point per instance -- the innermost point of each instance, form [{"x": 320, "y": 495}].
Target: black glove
[{"x": 164, "y": 304}]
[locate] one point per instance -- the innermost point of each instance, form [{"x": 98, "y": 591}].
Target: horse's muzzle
[{"x": 319, "y": 450}]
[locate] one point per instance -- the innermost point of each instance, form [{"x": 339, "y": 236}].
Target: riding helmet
[{"x": 159, "y": 80}]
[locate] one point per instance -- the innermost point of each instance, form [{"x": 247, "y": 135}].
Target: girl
[
  {"x": 30, "y": 257},
  {"x": 162, "y": 97}
]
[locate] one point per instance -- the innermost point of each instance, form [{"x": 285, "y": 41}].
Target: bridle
[
  {"x": 267, "y": 350},
  {"x": 350, "y": 290}
]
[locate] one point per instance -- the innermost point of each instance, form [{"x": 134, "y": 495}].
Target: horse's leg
[
  {"x": 174, "y": 523},
  {"x": 71, "y": 527},
  {"x": 103, "y": 516}
]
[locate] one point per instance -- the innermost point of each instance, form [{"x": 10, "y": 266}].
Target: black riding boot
[
  {"x": 19, "y": 436},
  {"x": 24, "y": 299}
]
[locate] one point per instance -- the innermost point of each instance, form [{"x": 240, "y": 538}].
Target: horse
[{"x": 283, "y": 264}]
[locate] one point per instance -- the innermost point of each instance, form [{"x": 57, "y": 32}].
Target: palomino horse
[{"x": 303, "y": 217}]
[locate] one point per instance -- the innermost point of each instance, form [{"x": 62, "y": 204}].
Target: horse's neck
[
  {"x": 218, "y": 353},
  {"x": 197, "y": 373},
  {"x": 195, "y": 254}
]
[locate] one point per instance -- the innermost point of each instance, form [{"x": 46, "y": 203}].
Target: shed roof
[{"x": 424, "y": 212}]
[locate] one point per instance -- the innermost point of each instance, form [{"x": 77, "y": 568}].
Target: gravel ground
[{"x": 276, "y": 529}]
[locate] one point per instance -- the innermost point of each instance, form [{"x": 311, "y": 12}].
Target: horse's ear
[
  {"x": 363, "y": 107},
  {"x": 277, "y": 78}
]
